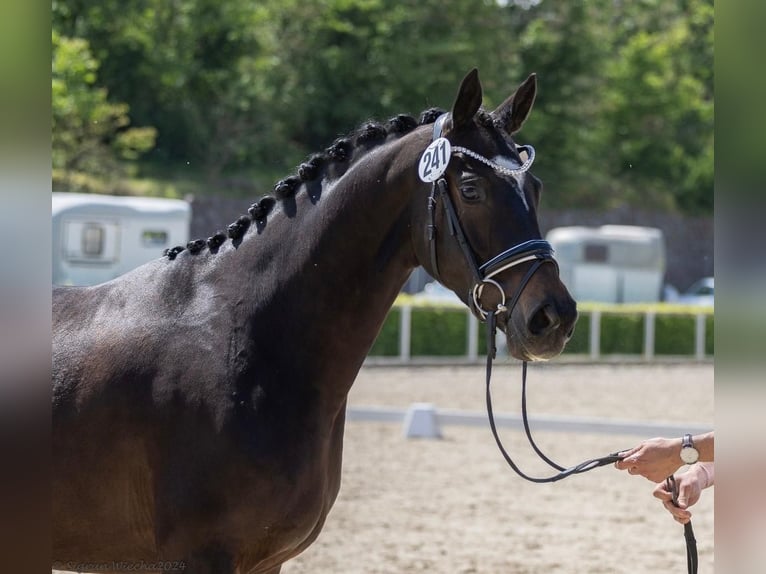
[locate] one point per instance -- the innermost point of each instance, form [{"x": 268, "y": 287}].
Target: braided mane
[{"x": 335, "y": 159}]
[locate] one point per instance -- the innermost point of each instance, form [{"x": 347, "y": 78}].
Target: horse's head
[{"x": 483, "y": 240}]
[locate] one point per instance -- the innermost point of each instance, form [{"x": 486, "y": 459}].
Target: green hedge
[
  {"x": 435, "y": 332},
  {"x": 387, "y": 343},
  {"x": 442, "y": 332}
]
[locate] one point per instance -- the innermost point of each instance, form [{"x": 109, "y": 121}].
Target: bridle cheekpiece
[{"x": 433, "y": 166}]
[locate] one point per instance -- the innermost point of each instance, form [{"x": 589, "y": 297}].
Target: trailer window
[
  {"x": 596, "y": 253},
  {"x": 153, "y": 238},
  {"x": 92, "y": 240}
]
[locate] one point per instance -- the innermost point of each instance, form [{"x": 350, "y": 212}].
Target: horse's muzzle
[{"x": 543, "y": 331}]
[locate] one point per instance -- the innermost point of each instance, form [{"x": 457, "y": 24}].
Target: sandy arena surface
[{"x": 452, "y": 505}]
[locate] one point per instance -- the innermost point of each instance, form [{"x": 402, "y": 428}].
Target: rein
[
  {"x": 691, "y": 542},
  {"x": 563, "y": 471},
  {"x": 538, "y": 251}
]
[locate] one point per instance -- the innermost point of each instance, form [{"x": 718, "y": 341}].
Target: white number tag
[{"x": 434, "y": 161}]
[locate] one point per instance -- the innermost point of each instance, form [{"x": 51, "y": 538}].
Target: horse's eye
[{"x": 471, "y": 192}]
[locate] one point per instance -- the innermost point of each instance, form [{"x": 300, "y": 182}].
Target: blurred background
[
  {"x": 204, "y": 97},
  {"x": 212, "y": 102},
  {"x": 201, "y": 100}
]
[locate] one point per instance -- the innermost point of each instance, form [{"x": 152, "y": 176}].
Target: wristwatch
[{"x": 689, "y": 454}]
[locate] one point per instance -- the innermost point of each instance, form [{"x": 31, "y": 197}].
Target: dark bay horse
[{"x": 199, "y": 400}]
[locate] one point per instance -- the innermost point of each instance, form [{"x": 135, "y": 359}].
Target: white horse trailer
[
  {"x": 98, "y": 237},
  {"x": 611, "y": 263}
]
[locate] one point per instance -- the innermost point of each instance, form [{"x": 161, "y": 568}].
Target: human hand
[
  {"x": 690, "y": 485},
  {"x": 654, "y": 459}
]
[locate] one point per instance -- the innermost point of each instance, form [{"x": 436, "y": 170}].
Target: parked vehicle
[
  {"x": 611, "y": 263},
  {"x": 701, "y": 292},
  {"x": 98, "y": 237}
]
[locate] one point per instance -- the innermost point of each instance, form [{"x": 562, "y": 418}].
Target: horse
[{"x": 199, "y": 400}]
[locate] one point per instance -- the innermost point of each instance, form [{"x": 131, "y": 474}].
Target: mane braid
[
  {"x": 430, "y": 115},
  {"x": 371, "y": 132},
  {"x": 308, "y": 170},
  {"x": 341, "y": 150}
]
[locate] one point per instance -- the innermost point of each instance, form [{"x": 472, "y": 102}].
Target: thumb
[{"x": 682, "y": 501}]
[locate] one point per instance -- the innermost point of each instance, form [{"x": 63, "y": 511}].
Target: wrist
[
  {"x": 705, "y": 476},
  {"x": 688, "y": 453}
]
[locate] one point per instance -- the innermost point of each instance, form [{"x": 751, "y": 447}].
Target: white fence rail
[{"x": 472, "y": 353}]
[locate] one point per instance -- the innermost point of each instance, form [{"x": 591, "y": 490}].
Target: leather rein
[{"x": 537, "y": 251}]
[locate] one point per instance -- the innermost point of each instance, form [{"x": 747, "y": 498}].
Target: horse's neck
[{"x": 337, "y": 263}]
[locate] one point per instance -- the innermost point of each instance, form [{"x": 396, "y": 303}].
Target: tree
[
  {"x": 624, "y": 109},
  {"x": 567, "y": 45},
  {"x": 90, "y": 134},
  {"x": 660, "y": 107}
]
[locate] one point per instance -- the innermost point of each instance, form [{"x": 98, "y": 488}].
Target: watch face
[{"x": 689, "y": 455}]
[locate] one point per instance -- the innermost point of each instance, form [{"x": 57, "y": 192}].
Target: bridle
[{"x": 537, "y": 251}]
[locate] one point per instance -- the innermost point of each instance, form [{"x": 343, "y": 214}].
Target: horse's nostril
[{"x": 544, "y": 320}]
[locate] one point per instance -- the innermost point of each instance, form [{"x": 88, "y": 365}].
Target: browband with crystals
[{"x": 528, "y": 149}]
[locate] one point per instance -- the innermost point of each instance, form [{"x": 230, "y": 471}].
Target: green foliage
[
  {"x": 662, "y": 110},
  {"x": 568, "y": 44},
  {"x": 622, "y": 334},
  {"x": 439, "y": 331},
  {"x": 674, "y": 335},
  {"x": 241, "y": 91},
  {"x": 387, "y": 342},
  {"x": 580, "y": 341},
  {"x": 90, "y": 134},
  {"x": 436, "y": 332}
]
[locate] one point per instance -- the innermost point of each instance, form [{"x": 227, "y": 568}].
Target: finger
[
  {"x": 662, "y": 494},
  {"x": 626, "y": 453},
  {"x": 689, "y": 493},
  {"x": 678, "y": 513}
]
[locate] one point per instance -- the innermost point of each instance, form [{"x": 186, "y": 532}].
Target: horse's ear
[
  {"x": 468, "y": 100},
  {"x": 514, "y": 111}
]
